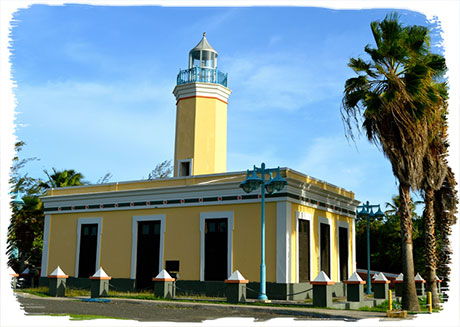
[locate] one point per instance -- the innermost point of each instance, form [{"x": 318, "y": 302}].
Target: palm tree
[
  {"x": 63, "y": 178},
  {"x": 435, "y": 171},
  {"x": 445, "y": 208},
  {"x": 393, "y": 96}
]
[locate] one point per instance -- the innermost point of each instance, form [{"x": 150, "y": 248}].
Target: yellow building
[{"x": 199, "y": 223}]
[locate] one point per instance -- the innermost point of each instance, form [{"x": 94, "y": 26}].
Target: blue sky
[{"x": 94, "y": 88}]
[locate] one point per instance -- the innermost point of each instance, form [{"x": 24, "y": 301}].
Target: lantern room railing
[{"x": 203, "y": 75}]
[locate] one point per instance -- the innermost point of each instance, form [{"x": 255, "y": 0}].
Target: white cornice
[{"x": 201, "y": 89}]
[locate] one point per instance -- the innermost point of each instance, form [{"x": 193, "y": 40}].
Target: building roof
[{"x": 203, "y": 45}]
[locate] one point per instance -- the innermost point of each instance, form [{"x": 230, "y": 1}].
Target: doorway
[
  {"x": 148, "y": 252},
  {"x": 304, "y": 250},
  {"x": 88, "y": 250},
  {"x": 325, "y": 249},
  {"x": 215, "y": 249},
  {"x": 343, "y": 253}
]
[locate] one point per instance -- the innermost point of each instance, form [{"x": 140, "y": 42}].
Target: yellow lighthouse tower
[{"x": 201, "y": 114}]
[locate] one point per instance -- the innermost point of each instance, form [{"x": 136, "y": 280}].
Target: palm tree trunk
[
  {"x": 430, "y": 246},
  {"x": 409, "y": 293}
]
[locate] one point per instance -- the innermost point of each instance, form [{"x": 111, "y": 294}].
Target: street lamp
[
  {"x": 18, "y": 202},
  {"x": 251, "y": 183},
  {"x": 366, "y": 212}
]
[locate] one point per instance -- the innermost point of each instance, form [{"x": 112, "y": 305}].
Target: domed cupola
[{"x": 203, "y": 55}]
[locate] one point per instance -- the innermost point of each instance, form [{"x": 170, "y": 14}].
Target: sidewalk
[{"x": 174, "y": 311}]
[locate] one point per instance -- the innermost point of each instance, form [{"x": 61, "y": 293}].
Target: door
[
  {"x": 343, "y": 253},
  {"x": 215, "y": 249},
  {"x": 88, "y": 250},
  {"x": 304, "y": 250},
  {"x": 325, "y": 248},
  {"x": 148, "y": 252}
]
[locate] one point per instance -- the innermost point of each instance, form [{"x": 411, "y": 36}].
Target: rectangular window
[{"x": 185, "y": 168}]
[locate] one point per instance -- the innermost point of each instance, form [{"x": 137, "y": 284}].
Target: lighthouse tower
[{"x": 201, "y": 115}]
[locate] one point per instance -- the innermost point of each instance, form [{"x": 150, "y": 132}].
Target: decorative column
[
  {"x": 398, "y": 284},
  {"x": 322, "y": 291},
  {"x": 438, "y": 283},
  {"x": 380, "y": 285},
  {"x": 236, "y": 288},
  {"x": 27, "y": 275},
  {"x": 57, "y": 282},
  {"x": 420, "y": 285},
  {"x": 164, "y": 285},
  {"x": 100, "y": 284},
  {"x": 355, "y": 288},
  {"x": 14, "y": 277}
]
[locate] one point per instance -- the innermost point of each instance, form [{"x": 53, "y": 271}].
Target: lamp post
[
  {"x": 366, "y": 212},
  {"x": 18, "y": 202},
  {"x": 251, "y": 183}
]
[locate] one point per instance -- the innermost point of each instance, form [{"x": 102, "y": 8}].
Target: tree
[
  {"x": 24, "y": 237},
  {"x": 161, "y": 170},
  {"x": 63, "y": 178},
  {"x": 435, "y": 171},
  {"x": 445, "y": 208},
  {"x": 393, "y": 96}
]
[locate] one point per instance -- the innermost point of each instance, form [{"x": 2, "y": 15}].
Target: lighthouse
[{"x": 201, "y": 114}]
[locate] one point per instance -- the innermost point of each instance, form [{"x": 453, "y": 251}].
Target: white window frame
[
  {"x": 45, "y": 248},
  {"x": 217, "y": 215},
  {"x": 136, "y": 220},
  {"x": 346, "y": 225},
  {"x": 85, "y": 221},
  {"x": 179, "y": 165},
  {"x": 299, "y": 215},
  {"x": 327, "y": 221}
]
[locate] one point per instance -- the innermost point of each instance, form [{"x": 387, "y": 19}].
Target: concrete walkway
[{"x": 174, "y": 311}]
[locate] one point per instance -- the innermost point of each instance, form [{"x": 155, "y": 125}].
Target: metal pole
[
  {"x": 262, "y": 295},
  {"x": 368, "y": 290}
]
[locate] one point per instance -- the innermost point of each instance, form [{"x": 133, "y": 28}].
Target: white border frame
[
  {"x": 327, "y": 221},
  {"x": 179, "y": 164},
  {"x": 84, "y": 221},
  {"x": 283, "y": 241},
  {"x": 230, "y": 225},
  {"x": 45, "y": 247},
  {"x": 136, "y": 219},
  {"x": 346, "y": 225},
  {"x": 300, "y": 215}
]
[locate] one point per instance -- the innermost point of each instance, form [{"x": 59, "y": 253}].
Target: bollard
[
  {"x": 99, "y": 284},
  {"x": 398, "y": 284},
  {"x": 390, "y": 300},
  {"x": 420, "y": 285},
  {"x": 164, "y": 285},
  {"x": 430, "y": 303},
  {"x": 236, "y": 288},
  {"x": 355, "y": 288},
  {"x": 57, "y": 282},
  {"x": 380, "y": 286},
  {"x": 322, "y": 292}
]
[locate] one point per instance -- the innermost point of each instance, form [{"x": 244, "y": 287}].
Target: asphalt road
[{"x": 144, "y": 310}]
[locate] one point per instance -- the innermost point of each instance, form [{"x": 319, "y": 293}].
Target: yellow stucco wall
[
  {"x": 201, "y": 134},
  {"x": 181, "y": 240},
  {"x": 314, "y": 254}
]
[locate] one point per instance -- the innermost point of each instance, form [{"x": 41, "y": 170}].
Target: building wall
[
  {"x": 181, "y": 239},
  {"x": 316, "y": 217}
]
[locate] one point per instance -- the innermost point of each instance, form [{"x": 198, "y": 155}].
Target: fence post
[
  {"x": 236, "y": 288},
  {"x": 322, "y": 292},
  {"x": 164, "y": 285},
  {"x": 99, "y": 284},
  {"x": 57, "y": 282}
]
